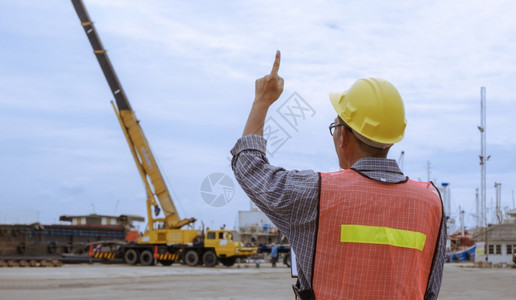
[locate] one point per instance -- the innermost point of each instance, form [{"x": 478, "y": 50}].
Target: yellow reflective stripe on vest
[{"x": 382, "y": 235}]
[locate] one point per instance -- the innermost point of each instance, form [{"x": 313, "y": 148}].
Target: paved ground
[
  {"x": 178, "y": 282},
  {"x": 462, "y": 281}
]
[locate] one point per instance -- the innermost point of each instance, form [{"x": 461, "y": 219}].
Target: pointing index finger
[{"x": 275, "y": 66}]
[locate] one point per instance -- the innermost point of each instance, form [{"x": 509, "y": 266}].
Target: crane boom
[{"x": 154, "y": 182}]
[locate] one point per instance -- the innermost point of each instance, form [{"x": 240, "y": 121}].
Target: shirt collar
[{"x": 381, "y": 169}]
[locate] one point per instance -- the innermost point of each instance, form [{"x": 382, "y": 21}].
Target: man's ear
[{"x": 344, "y": 138}]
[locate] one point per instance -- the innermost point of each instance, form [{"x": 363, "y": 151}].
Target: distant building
[
  {"x": 95, "y": 220},
  {"x": 501, "y": 241}
]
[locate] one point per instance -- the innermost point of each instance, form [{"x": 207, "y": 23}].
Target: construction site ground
[{"x": 100, "y": 281}]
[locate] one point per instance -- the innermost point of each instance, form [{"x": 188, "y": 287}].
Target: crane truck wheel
[
  {"x": 228, "y": 262},
  {"x": 209, "y": 258},
  {"x": 191, "y": 258},
  {"x": 146, "y": 258},
  {"x": 131, "y": 257}
]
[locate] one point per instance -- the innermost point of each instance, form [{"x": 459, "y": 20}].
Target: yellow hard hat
[{"x": 373, "y": 108}]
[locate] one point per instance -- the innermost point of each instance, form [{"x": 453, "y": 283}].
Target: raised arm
[{"x": 267, "y": 90}]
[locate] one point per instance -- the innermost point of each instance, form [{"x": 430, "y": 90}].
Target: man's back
[{"x": 375, "y": 240}]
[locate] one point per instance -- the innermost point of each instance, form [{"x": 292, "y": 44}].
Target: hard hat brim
[{"x": 335, "y": 99}]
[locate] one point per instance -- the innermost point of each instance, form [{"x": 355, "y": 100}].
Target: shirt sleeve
[
  {"x": 436, "y": 273},
  {"x": 273, "y": 189}
]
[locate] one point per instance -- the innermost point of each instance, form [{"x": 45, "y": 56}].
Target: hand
[{"x": 269, "y": 88}]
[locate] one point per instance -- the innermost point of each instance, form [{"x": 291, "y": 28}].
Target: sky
[{"x": 188, "y": 69}]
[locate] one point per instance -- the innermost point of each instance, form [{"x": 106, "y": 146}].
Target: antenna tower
[{"x": 483, "y": 158}]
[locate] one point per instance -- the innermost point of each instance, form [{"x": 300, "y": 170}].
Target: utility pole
[
  {"x": 491, "y": 212},
  {"x": 477, "y": 210},
  {"x": 446, "y": 198},
  {"x": 499, "y": 216},
  {"x": 483, "y": 161}
]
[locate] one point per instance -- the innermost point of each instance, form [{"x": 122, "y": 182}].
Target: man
[
  {"x": 366, "y": 232},
  {"x": 274, "y": 255}
]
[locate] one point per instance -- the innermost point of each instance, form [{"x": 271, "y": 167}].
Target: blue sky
[{"x": 188, "y": 69}]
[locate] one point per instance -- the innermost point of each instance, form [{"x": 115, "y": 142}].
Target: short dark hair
[{"x": 372, "y": 151}]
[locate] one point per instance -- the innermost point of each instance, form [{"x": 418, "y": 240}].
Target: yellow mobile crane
[{"x": 164, "y": 240}]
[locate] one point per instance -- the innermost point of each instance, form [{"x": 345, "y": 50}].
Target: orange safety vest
[{"x": 375, "y": 240}]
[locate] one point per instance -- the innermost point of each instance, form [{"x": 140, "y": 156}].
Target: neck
[{"x": 355, "y": 152}]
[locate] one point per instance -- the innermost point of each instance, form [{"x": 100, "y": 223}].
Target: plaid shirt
[{"x": 290, "y": 199}]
